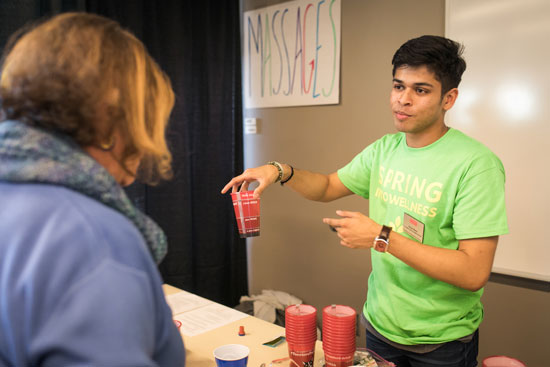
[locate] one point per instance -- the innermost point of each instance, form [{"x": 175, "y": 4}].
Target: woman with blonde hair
[{"x": 83, "y": 112}]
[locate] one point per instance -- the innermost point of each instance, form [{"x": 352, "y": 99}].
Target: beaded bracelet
[{"x": 279, "y": 168}]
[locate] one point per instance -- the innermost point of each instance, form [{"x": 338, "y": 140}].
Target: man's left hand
[{"x": 355, "y": 229}]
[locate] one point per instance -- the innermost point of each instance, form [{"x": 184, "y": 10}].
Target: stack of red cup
[
  {"x": 301, "y": 333},
  {"x": 339, "y": 335}
]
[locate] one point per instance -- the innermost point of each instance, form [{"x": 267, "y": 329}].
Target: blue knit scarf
[{"x": 29, "y": 154}]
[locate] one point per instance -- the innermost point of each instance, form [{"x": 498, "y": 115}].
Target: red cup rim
[
  {"x": 339, "y": 311},
  {"x": 309, "y": 328},
  {"x": 330, "y": 342},
  {"x": 331, "y": 345},
  {"x": 301, "y": 332},
  {"x": 348, "y": 349},
  {"x": 243, "y": 193},
  {"x": 301, "y": 337},
  {"x": 298, "y": 318},
  {"x": 334, "y": 336},
  {"x": 338, "y": 330},
  {"x": 301, "y": 347},
  {"x": 304, "y": 310},
  {"x": 301, "y": 320},
  {"x": 290, "y": 339},
  {"x": 336, "y": 322},
  {"x": 339, "y": 323},
  {"x": 302, "y": 327},
  {"x": 338, "y": 334},
  {"x": 339, "y": 351},
  {"x": 342, "y": 347}
]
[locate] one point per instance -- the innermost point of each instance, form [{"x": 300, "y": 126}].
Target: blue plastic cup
[{"x": 231, "y": 355}]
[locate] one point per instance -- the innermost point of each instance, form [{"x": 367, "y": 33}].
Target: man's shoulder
[
  {"x": 467, "y": 141},
  {"x": 473, "y": 150}
]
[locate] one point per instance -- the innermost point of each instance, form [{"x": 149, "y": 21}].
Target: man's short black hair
[{"x": 440, "y": 55}]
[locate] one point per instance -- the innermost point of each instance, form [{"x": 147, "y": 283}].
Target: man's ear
[{"x": 449, "y": 99}]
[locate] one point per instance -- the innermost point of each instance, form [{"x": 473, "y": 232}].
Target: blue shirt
[{"x": 78, "y": 285}]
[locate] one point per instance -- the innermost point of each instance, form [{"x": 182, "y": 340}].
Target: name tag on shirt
[{"x": 413, "y": 227}]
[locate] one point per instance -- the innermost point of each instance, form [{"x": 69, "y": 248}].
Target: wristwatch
[{"x": 382, "y": 241}]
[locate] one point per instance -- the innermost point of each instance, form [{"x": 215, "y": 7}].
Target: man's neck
[{"x": 424, "y": 139}]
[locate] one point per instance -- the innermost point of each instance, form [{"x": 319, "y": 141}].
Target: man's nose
[{"x": 405, "y": 97}]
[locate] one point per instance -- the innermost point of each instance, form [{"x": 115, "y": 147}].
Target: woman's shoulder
[{"x": 58, "y": 220}]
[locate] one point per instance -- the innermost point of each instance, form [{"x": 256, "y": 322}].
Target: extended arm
[{"x": 312, "y": 186}]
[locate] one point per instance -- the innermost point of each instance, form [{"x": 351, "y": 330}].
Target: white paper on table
[
  {"x": 184, "y": 302},
  {"x": 206, "y": 318}
]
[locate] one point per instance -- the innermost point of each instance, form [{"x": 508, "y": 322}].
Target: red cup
[
  {"x": 339, "y": 343},
  {"x": 339, "y": 360},
  {"x": 347, "y": 346},
  {"x": 301, "y": 311},
  {"x": 339, "y": 311},
  {"x": 247, "y": 213},
  {"x": 290, "y": 324},
  {"x": 502, "y": 361},
  {"x": 300, "y": 341},
  {"x": 345, "y": 351},
  {"x": 339, "y": 335},
  {"x": 301, "y": 333},
  {"x": 301, "y": 337},
  {"x": 340, "y": 331},
  {"x": 338, "y": 322},
  {"x": 301, "y": 355}
]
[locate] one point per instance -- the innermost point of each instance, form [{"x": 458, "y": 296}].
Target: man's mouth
[{"x": 401, "y": 115}]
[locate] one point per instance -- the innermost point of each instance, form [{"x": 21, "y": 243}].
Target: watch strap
[{"x": 385, "y": 232}]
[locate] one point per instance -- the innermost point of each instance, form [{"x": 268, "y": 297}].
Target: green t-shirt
[{"x": 455, "y": 189}]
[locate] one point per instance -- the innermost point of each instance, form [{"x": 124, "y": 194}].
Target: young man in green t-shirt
[{"x": 436, "y": 206}]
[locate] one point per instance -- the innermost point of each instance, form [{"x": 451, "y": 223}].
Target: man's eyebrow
[{"x": 421, "y": 84}]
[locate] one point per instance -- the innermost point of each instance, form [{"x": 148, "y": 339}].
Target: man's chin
[{"x": 400, "y": 126}]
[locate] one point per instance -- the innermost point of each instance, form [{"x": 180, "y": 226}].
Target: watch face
[{"x": 380, "y": 245}]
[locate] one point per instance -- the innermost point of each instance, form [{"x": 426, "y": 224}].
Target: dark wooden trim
[{"x": 535, "y": 284}]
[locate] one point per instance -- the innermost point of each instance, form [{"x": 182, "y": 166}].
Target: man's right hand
[{"x": 264, "y": 175}]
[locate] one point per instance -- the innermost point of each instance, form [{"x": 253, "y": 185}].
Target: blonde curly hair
[{"x": 83, "y": 75}]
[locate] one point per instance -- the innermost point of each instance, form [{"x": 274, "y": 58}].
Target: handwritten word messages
[{"x": 292, "y": 54}]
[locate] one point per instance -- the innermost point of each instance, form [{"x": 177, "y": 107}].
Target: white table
[{"x": 199, "y": 348}]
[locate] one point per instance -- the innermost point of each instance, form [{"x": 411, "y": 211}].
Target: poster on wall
[{"x": 291, "y": 54}]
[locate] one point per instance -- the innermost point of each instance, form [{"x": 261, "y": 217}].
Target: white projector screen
[{"x": 504, "y": 101}]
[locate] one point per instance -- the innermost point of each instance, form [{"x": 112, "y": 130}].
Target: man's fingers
[
  {"x": 332, "y": 222},
  {"x": 346, "y": 214},
  {"x": 344, "y": 243},
  {"x": 244, "y": 186},
  {"x": 232, "y": 184}
]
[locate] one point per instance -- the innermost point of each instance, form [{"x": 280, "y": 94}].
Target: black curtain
[{"x": 198, "y": 45}]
